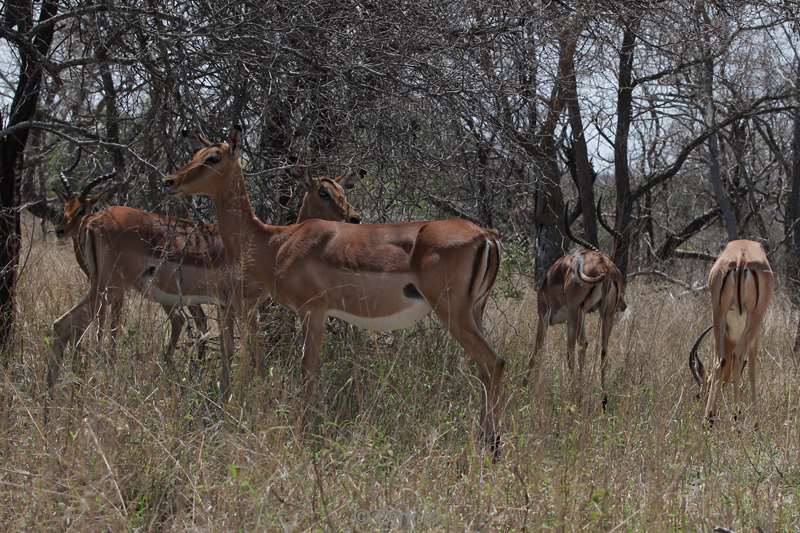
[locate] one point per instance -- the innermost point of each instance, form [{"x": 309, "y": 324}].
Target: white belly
[
  {"x": 166, "y": 298},
  {"x": 735, "y": 324},
  {"x": 402, "y": 319}
]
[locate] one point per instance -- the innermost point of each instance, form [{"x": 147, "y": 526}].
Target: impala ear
[
  {"x": 308, "y": 181},
  {"x": 302, "y": 175},
  {"x": 194, "y": 140},
  {"x": 235, "y": 140},
  {"x": 348, "y": 181}
]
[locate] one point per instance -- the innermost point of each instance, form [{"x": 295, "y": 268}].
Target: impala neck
[{"x": 239, "y": 228}]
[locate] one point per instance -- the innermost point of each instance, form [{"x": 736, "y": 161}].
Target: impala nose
[
  {"x": 355, "y": 219},
  {"x": 60, "y": 233}
]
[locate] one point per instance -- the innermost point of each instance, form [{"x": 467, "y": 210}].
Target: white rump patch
[
  {"x": 400, "y": 320},
  {"x": 735, "y": 324}
]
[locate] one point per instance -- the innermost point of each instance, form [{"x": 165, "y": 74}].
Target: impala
[
  {"x": 742, "y": 284},
  {"x": 172, "y": 261},
  {"x": 579, "y": 283},
  {"x": 76, "y": 209},
  {"x": 377, "y": 276}
]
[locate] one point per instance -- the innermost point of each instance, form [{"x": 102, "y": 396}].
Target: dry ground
[{"x": 131, "y": 446}]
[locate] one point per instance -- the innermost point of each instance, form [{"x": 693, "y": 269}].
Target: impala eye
[
  {"x": 323, "y": 193},
  {"x": 213, "y": 159}
]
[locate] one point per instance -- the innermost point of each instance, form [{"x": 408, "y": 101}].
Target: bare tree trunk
[
  {"x": 793, "y": 214},
  {"x": 112, "y": 116},
  {"x": 549, "y": 204},
  {"x": 622, "y": 177},
  {"x": 484, "y": 191},
  {"x": 23, "y": 108},
  {"x": 709, "y": 117},
  {"x": 584, "y": 174}
]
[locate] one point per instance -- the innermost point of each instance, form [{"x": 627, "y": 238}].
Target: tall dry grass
[{"x": 393, "y": 446}]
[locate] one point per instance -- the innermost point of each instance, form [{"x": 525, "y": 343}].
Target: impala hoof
[{"x": 604, "y": 403}]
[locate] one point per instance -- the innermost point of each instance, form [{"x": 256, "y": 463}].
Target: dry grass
[{"x": 132, "y": 447}]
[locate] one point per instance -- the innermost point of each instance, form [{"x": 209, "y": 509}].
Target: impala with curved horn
[
  {"x": 174, "y": 262},
  {"x": 742, "y": 285},
  {"x": 376, "y": 276},
  {"x": 579, "y": 283},
  {"x": 76, "y": 209}
]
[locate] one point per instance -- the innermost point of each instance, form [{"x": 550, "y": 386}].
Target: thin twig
[{"x": 667, "y": 277}]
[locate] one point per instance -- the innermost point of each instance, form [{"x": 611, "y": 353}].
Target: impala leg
[
  {"x": 572, "y": 337},
  {"x": 68, "y": 328},
  {"x": 101, "y": 310},
  {"x": 313, "y": 336},
  {"x": 201, "y": 322},
  {"x": 176, "y": 322},
  {"x": 607, "y": 322},
  {"x": 490, "y": 367},
  {"x": 736, "y": 369},
  {"x": 753, "y": 362},
  {"x": 582, "y": 343},
  {"x": 227, "y": 322},
  {"x": 541, "y": 334},
  {"x": 254, "y": 345},
  {"x": 116, "y": 302},
  {"x": 717, "y": 373},
  {"x": 740, "y": 351}
]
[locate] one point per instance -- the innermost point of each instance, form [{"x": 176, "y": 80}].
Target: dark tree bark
[
  {"x": 584, "y": 173},
  {"x": 549, "y": 205},
  {"x": 709, "y": 117},
  {"x": 622, "y": 176},
  {"x": 32, "y": 53},
  {"x": 793, "y": 214},
  {"x": 673, "y": 240}
]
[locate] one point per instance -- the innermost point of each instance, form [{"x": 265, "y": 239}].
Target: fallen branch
[
  {"x": 451, "y": 209},
  {"x": 667, "y": 277},
  {"x": 700, "y": 256}
]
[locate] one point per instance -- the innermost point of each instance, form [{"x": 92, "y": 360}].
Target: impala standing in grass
[
  {"x": 742, "y": 285},
  {"x": 579, "y": 283},
  {"x": 377, "y": 276},
  {"x": 174, "y": 262},
  {"x": 76, "y": 208}
]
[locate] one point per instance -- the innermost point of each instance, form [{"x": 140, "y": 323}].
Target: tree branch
[
  {"x": 449, "y": 208},
  {"x": 666, "y": 277},
  {"x": 669, "y": 172},
  {"x": 688, "y": 254},
  {"x": 673, "y": 240}
]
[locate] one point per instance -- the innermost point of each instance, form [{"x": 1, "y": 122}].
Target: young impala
[
  {"x": 742, "y": 284},
  {"x": 172, "y": 261},
  {"x": 377, "y": 276},
  {"x": 579, "y": 283}
]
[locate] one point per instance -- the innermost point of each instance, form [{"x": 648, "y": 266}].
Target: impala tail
[
  {"x": 486, "y": 267},
  {"x": 579, "y": 271},
  {"x": 695, "y": 365}
]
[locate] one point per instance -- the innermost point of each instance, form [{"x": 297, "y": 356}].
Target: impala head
[
  {"x": 325, "y": 198},
  {"x": 76, "y": 206},
  {"x": 211, "y": 164}
]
